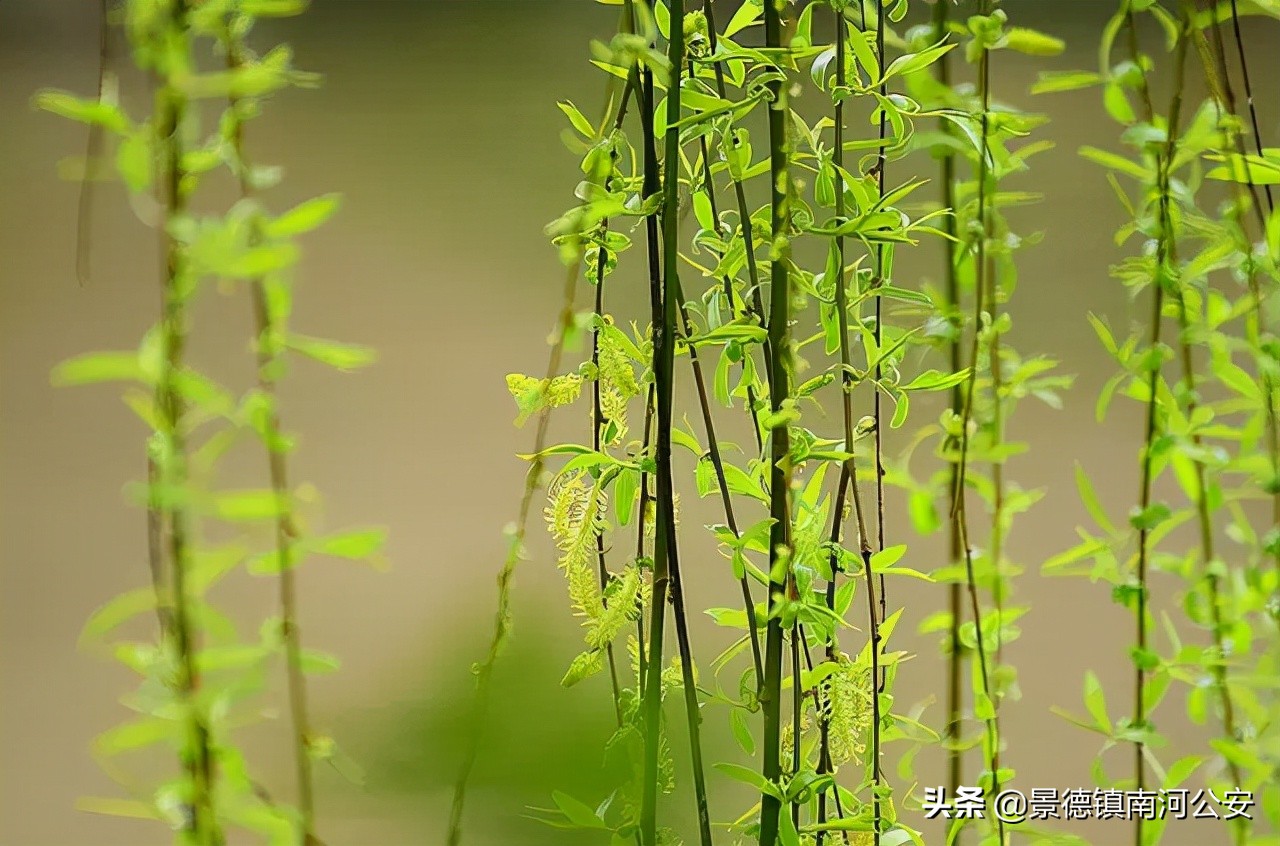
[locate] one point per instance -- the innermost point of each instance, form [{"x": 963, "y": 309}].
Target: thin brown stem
[
  {"x": 1248, "y": 195},
  {"x": 740, "y": 195},
  {"x": 1248, "y": 93},
  {"x": 982, "y": 294},
  {"x": 203, "y": 826},
  {"x": 285, "y": 530},
  {"x": 713, "y": 445},
  {"x": 515, "y": 550},
  {"x": 1163, "y": 276},
  {"x": 598, "y": 423},
  {"x": 849, "y": 469},
  {"x": 881, "y": 168}
]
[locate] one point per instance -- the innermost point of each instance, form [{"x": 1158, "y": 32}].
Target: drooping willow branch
[
  {"x": 572, "y": 255},
  {"x": 713, "y": 445},
  {"x": 880, "y": 280},
  {"x": 1248, "y": 92},
  {"x": 268, "y": 346},
  {"x": 983, "y": 295},
  {"x": 955, "y": 655},
  {"x": 597, "y": 427},
  {"x": 1247, "y": 191},
  {"x": 203, "y": 828},
  {"x": 847, "y": 485},
  {"x": 1163, "y": 276}
]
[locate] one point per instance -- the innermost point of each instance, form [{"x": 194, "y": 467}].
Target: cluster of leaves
[
  {"x": 1204, "y": 370},
  {"x": 201, "y": 679},
  {"x": 980, "y": 266},
  {"x": 833, "y": 337}
]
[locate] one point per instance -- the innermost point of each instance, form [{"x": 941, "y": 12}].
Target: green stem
[
  {"x": 1222, "y": 86},
  {"x": 652, "y": 705},
  {"x": 665, "y": 354},
  {"x": 597, "y": 425},
  {"x": 204, "y": 828},
  {"x": 744, "y": 211},
  {"x": 713, "y": 444},
  {"x": 667, "y": 583},
  {"x": 779, "y": 468},
  {"x": 515, "y": 549},
  {"x": 597, "y": 408},
  {"x": 646, "y": 447},
  {"x": 285, "y": 530},
  {"x": 881, "y": 167},
  {"x": 982, "y": 295},
  {"x": 1163, "y": 243},
  {"x": 1202, "y": 505},
  {"x": 849, "y": 469}
]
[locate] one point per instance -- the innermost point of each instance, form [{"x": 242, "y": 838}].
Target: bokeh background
[{"x": 437, "y": 122}]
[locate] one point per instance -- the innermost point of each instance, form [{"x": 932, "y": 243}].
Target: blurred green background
[{"x": 437, "y": 121}]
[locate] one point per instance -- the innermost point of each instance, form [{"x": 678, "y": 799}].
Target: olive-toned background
[{"x": 437, "y": 121}]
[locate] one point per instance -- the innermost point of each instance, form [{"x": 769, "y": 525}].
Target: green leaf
[
  {"x": 274, "y": 561},
  {"x": 247, "y": 506},
  {"x": 936, "y": 380},
  {"x": 92, "y": 368},
  {"x": 1055, "y": 81},
  {"x": 913, "y": 62},
  {"x": 304, "y": 217},
  {"x": 748, "y": 14},
  {"x": 1247, "y": 169},
  {"x": 233, "y": 657},
  {"x": 260, "y": 261},
  {"x": 315, "y": 663},
  {"x": 1116, "y": 162},
  {"x": 587, "y": 664},
  {"x": 887, "y": 557},
  {"x": 209, "y": 566},
  {"x": 118, "y": 611},
  {"x": 1181, "y": 770},
  {"x": 1033, "y": 43},
  {"x": 1090, "y": 499},
  {"x": 577, "y": 118},
  {"x": 746, "y": 332},
  {"x": 625, "y": 488},
  {"x": 135, "y": 162},
  {"x": 742, "y": 731},
  {"x": 353, "y": 545},
  {"x": 924, "y": 512},
  {"x": 91, "y": 112},
  {"x": 1150, "y": 517},
  {"x": 1095, "y": 701},
  {"x": 558, "y": 449},
  {"x": 983, "y": 709},
  {"x": 748, "y": 776},
  {"x": 1117, "y": 104},
  {"x": 345, "y": 357},
  {"x": 135, "y": 735},
  {"x": 702, "y": 211},
  {"x": 111, "y": 807},
  {"x": 865, "y": 55},
  {"x": 578, "y": 813},
  {"x": 902, "y": 404},
  {"x": 273, "y": 8}
]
